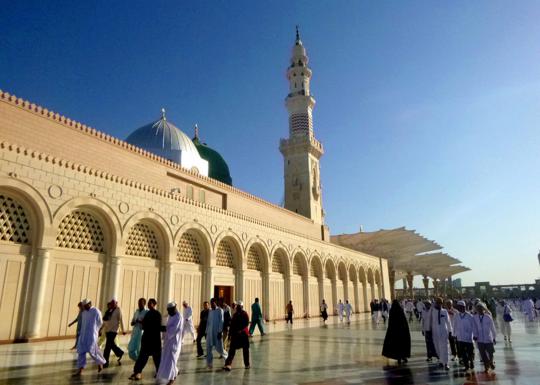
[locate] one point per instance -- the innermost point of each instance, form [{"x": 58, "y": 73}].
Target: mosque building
[{"x": 86, "y": 215}]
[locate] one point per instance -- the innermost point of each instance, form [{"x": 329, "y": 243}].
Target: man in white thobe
[
  {"x": 214, "y": 330},
  {"x": 348, "y": 311},
  {"x": 340, "y": 311},
  {"x": 88, "y": 337},
  {"x": 172, "y": 344},
  {"x": 188, "y": 321},
  {"x": 441, "y": 327}
]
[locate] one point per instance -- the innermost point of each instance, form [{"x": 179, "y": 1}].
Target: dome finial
[
  {"x": 163, "y": 113},
  {"x": 196, "y": 131},
  {"x": 297, "y": 35}
]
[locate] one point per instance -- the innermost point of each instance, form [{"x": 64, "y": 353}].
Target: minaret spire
[
  {"x": 301, "y": 151},
  {"x": 163, "y": 114},
  {"x": 196, "y": 131}
]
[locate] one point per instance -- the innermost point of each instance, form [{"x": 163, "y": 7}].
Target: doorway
[{"x": 225, "y": 292}]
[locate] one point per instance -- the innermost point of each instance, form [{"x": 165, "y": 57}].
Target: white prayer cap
[
  {"x": 170, "y": 305},
  {"x": 461, "y": 303},
  {"x": 239, "y": 303},
  {"x": 85, "y": 301},
  {"x": 427, "y": 301}
]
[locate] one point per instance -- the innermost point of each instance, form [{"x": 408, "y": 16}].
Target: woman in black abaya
[{"x": 397, "y": 342}]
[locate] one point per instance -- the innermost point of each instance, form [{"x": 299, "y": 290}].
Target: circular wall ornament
[
  {"x": 55, "y": 191},
  {"x": 123, "y": 207},
  {"x": 244, "y": 236},
  {"x": 174, "y": 219},
  {"x": 269, "y": 242},
  {"x": 213, "y": 229}
]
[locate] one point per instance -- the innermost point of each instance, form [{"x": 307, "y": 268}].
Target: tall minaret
[{"x": 301, "y": 151}]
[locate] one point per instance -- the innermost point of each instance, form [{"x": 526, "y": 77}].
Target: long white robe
[
  {"x": 214, "y": 325},
  {"x": 172, "y": 344},
  {"x": 188, "y": 322},
  {"x": 340, "y": 310},
  {"x": 348, "y": 311},
  {"x": 88, "y": 337},
  {"x": 463, "y": 325},
  {"x": 441, "y": 327}
]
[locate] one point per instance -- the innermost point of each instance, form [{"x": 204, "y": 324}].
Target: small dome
[
  {"x": 166, "y": 140},
  {"x": 217, "y": 167}
]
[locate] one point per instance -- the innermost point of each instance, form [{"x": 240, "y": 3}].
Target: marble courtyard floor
[{"x": 308, "y": 354}]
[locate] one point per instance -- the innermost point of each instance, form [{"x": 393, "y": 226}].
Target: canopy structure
[{"x": 408, "y": 254}]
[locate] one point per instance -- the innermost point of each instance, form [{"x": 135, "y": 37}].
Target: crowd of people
[
  {"x": 452, "y": 329},
  {"x": 225, "y": 329}
]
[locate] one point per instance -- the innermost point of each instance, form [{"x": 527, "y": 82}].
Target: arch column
[
  {"x": 392, "y": 279},
  {"x": 410, "y": 278},
  {"x": 115, "y": 266},
  {"x": 239, "y": 283},
  {"x": 41, "y": 271},
  {"x": 266, "y": 294},
  {"x": 425, "y": 281},
  {"x": 165, "y": 276}
]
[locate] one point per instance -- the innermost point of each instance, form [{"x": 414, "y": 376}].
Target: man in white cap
[
  {"x": 88, "y": 337},
  {"x": 463, "y": 330},
  {"x": 348, "y": 311},
  {"x": 188, "y": 321},
  {"x": 214, "y": 333},
  {"x": 426, "y": 331},
  {"x": 441, "y": 329},
  {"x": 172, "y": 344},
  {"x": 484, "y": 334}
]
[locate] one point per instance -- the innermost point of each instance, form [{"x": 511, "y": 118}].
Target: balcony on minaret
[{"x": 297, "y": 144}]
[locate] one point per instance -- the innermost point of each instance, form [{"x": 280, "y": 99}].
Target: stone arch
[
  {"x": 353, "y": 279},
  {"x": 193, "y": 240},
  {"x": 257, "y": 256},
  {"x": 280, "y": 261},
  {"x": 24, "y": 216},
  {"x": 228, "y": 251},
  {"x": 362, "y": 282},
  {"x": 299, "y": 283},
  {"x": 330, "y": 285},
  {"x": 102, "y": 211},
  {"x": 371, "y": 284},
  {"x": 34, "y": 205},
  {"x": 316, "y": 268},
  {"x": 279, "y": 282},
  {"x": 378, "y": 284},
  {"x": 315, "y": 284},
  {"x": 342, "y": 282},
  {"x": 141, "y": 229}
]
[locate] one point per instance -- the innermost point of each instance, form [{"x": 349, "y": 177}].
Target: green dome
[{"x": 217, "y": 167}]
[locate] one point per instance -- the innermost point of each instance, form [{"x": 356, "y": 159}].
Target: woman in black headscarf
[{"x": 397, "y": 342}]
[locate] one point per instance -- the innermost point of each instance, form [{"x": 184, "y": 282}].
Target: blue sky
[{"x": 429, "y": 111}]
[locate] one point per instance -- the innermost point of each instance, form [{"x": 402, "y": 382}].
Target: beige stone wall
[{"x": 76, "y": 230}]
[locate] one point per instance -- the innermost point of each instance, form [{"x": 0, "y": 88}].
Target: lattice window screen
[
  {"x": 188, "y": 249},
  {"x": 14, "y": 225},
  {"x": 315, "y": 270},
  {"x": 254, "y": 259},
  {"x": 81, "y": 230},
  {"x": 225, "y": 255},
  {"x": 142, "y": 242},
  {"x": 297, "y": 266},
  {"x": 277, "y": 264}
]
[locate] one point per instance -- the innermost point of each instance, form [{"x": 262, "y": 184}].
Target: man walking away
[
  {"x": 201, "y": 329},
  {"x": 150, "y": 341},
  {"x": 239, "y": 336},
  {"x": 256, "y": 318},
  {"x": 172, "y": 345},
  {"x": 426, "y": 331},
  {"x": 87, "y": 343},
  {"x": 340, "y": 311}
]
